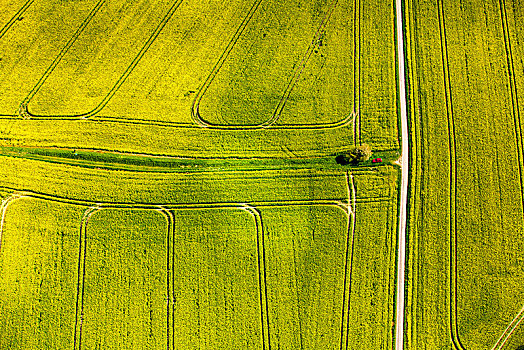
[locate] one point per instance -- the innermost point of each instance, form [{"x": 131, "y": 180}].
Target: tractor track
[
  {"x": 170, "y": 263},
  {"x": 453, "y": 284},
  {"x": 23, "y": 110},
  {"x": 271, "y": 122},
  {"x": 348, "y": 268},
  {"x": 453, "y": 288}
]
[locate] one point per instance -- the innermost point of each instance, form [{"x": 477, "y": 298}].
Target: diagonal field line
[
  {"x": 509, "y": 330},
  {"x": 13, "y": 19},
  {"x": 23, "y": 110}
]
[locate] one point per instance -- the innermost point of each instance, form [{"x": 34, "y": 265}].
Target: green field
[
  {"x": 169, "y": 179},
  {"x": 154, "y": 269},
  {"x": 466, "y": 276},
  {"x": 221, "y": 80}
]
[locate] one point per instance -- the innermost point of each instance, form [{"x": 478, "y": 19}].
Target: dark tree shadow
[
  {"x": 520, "y": 347},
  {"x": 340, "y": 159}
]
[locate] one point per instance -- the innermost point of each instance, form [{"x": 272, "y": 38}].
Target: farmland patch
[
  {"x": 124, "y": 293},
  {"x": 306, "y": 274},
  {"x": 218, "y": 280},
  {"x": 267, "y": 271},
  {"x": 465, "y": 99},
  {"x": 314, "y": 78},
  {"x": 30, "y": 44},
  {"x": 38, "y": 274}
]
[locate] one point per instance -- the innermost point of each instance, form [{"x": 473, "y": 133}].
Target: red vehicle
[{"x": 377, "y": 160}]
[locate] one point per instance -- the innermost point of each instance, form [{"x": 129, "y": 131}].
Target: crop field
[
  {"x": 240, "y": 75},
  {"x": 465, "y": 246},
  {"x": 308, "y": 268},
  {"x": 170, "y": 174}
]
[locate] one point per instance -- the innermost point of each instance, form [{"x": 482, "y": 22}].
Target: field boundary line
[
  {"x": 509, "y": 330},
  {"x": 79, "y": 319},
  {"x": 170, "y": 262},
  {"x": 13, "y": 19},
  {"x": 23, "y": 110},
  {"x": 453, "y": 288},
  {"x": 348, "y": 261},
  {"x": 262, "y": 275}
]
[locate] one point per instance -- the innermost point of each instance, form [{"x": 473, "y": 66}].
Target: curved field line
[
  {"x": 262, "y": 276},
  {"x": 13, "y": 19},
  {"x": 302, "y": 66},
  {"x": 337, "y": 202},
  {"x": 77, "y": 342},
  {"x": 3, "y": 208},
  {"x": 509, "y": 330},
  {"x": 270, "y": 123},
  {"x": 168, "y": 215},
  {"x": 195, "y": 114},
  {"x": 151, "y": 122},
  {"x": 24, "y": 107},
  {"x": 23, "y": 111},
  {"x": 350, "y": 118}
]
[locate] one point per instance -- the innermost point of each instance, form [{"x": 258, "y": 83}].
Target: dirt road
[{"x": 401, "y": 252}]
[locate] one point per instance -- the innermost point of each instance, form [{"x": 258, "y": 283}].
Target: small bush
[{"x": 355, "y": 155}]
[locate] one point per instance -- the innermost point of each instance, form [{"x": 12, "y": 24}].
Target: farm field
[
  {"x": 170, "y": 174},
  {"x": 312, "y": 267},
  {"x": 466, "y": 208},
  {"x": 26, "y": 54},
  {"x": 203, "y": 73}
]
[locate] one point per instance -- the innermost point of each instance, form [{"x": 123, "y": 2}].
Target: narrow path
[{"x": 401, "y": 253}]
